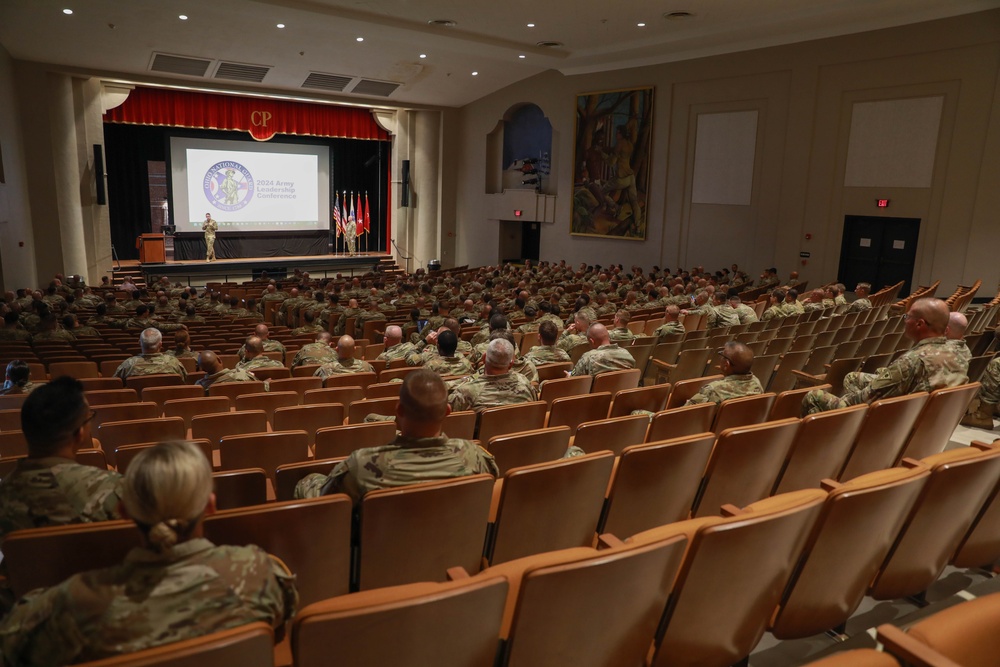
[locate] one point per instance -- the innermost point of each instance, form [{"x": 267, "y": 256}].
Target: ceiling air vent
[
  {"x": 242, "y": 72},
  {"x": 333, "y": 82},
  {"x": 379, "y": 88},
  {"x": 179, "y": 65}
]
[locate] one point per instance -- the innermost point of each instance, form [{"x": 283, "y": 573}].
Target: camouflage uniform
[
  {"x": 402, "y": 462},
  {"x": 605, "y": 358},
  {"x": 723, "y": 316},
  {"x": 314, "y": 353},
  {"x": 186, "y": 354},
  {"x": 990, "y": 391},
  {"x": 259, "y": 361},
  {"x": 668, "y": 328},
  {"x": 746, "y": 314},
  {"x": 268, "y": 346},
  {"x": 570, "y": 340},
  {"x": 546, "y": 354},
  {"x": 930, "y": 364},
  {"x": 151, "y": 364},
  {"x": 12, "y": 333},
  {"x": 860, "y": 305},
  {"x": 308, "y": 329},
  {"x": 621, "y": 335},
  {"x": 226, "y": 375},
  {"x": 554, "y": 319},
  {"x": 53, "y": 491},
  {"x": 731, "y": 386},
  {"x": 778, "y": 310},
  {"x": 55, "y": 334},
  {"x": 338, "y": 367},
  {"x": 840, "y": 300},
  {"x": 490, "y": 391},
  {"x": 14, "y": 389},
  {"x": 398, "y": 351},
  {"x": 525, "y": 367},
  {"x": 456, "y": 365},
  {"x": 340, "y": 327},
  {"x": 153, "y": 598}
]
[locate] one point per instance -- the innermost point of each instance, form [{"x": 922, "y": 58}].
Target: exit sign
[
  {"x": 882, "y": 203},
  {"x": 517, "y": 213}
]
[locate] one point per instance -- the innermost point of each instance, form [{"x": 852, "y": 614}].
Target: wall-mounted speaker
[
  {"x": 404, "y": 195},
  {"x": 102, "y": 197}
]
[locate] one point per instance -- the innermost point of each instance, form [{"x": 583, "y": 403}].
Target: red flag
[
  {"x": 337, "y": 220},
  {"x": 368, "y": 217},
  {"x": 360, "y": 219}
]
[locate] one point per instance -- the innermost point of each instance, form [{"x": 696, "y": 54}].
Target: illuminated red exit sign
[{"x": 882, "y": 203}]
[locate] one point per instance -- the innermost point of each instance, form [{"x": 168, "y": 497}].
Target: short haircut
[
  {"x": 505, "y": 334},
  {"x": 51, "y": 414},
  {"x": 548, "y": 332},
  {"x": 498, "y": 321},
  {"x": 423, "y": 396},
  {"x": 499, "y": 353},
  {"x": 624, "y": 316},
  {"x": 150, "y": 338},
  {"x": 447, "y": 342}
]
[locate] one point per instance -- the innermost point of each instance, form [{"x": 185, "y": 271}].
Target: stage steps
[{"x": 133, "y": 271}]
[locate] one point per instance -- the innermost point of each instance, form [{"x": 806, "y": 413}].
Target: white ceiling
[{"x": 117, "y": 38}]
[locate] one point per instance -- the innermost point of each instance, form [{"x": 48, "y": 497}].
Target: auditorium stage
[{"x": 200, "y": 272}]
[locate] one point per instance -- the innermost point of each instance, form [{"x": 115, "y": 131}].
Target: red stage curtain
[{"x": 262, "y": 118}]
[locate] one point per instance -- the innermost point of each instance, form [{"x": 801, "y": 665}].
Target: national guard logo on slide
[{"x": 228, "y": 185}]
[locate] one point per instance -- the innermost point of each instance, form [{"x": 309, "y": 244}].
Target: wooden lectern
[{"x": 152, "y": 249}]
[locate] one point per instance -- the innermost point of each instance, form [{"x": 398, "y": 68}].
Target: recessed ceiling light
[
  {"x": 281, "y": 25},
  {"x": 361, "y": 39},
  {"x": 531, "y": 25},
  {"x": 183, "y": 17},
  {"x": 475, "y": 74},
  {"x": 423, "y": 55},
  {"x": 67, "y": 12},
  {"x": 550, "y": 45},
  {"x": 640, "y": 25},
  {"x": 448, "y": 23},
  {"x": 678, "y": 16},
  {"x": 521, "y": 56}
]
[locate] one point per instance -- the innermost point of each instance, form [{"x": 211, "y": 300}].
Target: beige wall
[
  {"x": 16, "y": 261},
  {"x": 804, "y": 94}
]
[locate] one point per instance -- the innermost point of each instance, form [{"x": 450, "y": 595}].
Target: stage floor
[{"x": 199, "y": 272}]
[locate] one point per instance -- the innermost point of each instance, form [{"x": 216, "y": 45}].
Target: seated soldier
[
  {"x": 421, "y": 452},
  {"x": 254, "y": 358},
  {"x": 319, "y": 352},
  {"x": 345, "y": 362},
  {"x": 620, "y": 333},
  {"x": 151, "y": 361},
  {"x": 18, "y": 380},
  {"x": 546, "y": 352},
  {"x": 861, "y": 303},
  {"x": 498, "y": 385},
  {"x": 175, "y": 586},
  {"x": 216, "y": 373},
  {"x": 671, "y": 323},
  {"x": 932, "y": 363},
  {"x": 735, "y": 360},
  {"x": 446, "y": 362},
  {"x": 603, "y": 356}
]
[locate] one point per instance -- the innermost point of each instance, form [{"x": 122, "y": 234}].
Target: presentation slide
[{"x": 249, "y": 187}]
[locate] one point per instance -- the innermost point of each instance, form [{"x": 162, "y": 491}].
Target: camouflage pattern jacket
[
  {"x": 151, "y": 364},
  {"x": 151, "y": 599},
  {"x": 732, "y": 386},
  {"x": 603, "y": 359},
  {"x": 489, "y": 391},
  {"x": 402, "y": 462},
  {"x": 338, "y": 367},
  {"x": 546, "y": 354}
]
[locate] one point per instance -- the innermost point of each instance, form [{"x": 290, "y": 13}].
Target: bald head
[
  {"x": 254, "y": 347},
  {"x": 393, "y": 335},
  {"x": 209, "y": 362},
  {"x": 261, "y": 331},
  {"x": 932, "y": 313},
  {"x": 957, "y": 324},
  {"x": 345, "y": 348},
  {"x": 597, "y": 334},
  {"x": 737, "y": 359}
]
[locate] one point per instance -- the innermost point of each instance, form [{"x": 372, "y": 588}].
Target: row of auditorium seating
[{"x": 795, "y": 564}]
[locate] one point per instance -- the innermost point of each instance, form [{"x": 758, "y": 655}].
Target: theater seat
[{"x": 247, "y": 646}]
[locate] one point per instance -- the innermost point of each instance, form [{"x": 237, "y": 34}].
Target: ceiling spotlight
[
  {"x": 423, "y": 55},
  {"x": 521, "y": 56},
  {"x": 640, "y": 25},
  {"x": 531, "y": 25},
  {"x": 281, "y": 25},
  {"x": 475, "y": 74},
  {"x": 183, "y": 17},
  {"x": 67, "y": 12},
  {"x": 361, "y": 39}
]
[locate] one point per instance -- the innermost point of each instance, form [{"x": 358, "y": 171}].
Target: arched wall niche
[{"x": 519, "y": 149}]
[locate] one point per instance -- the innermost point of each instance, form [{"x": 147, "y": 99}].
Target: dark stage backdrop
[{"x": 357, "y": 165}]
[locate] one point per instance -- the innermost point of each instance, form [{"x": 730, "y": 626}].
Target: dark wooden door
[{"x": 881, "y": 251}]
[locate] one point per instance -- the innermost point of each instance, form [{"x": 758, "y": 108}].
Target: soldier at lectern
[{"x": 210, "y": 226}]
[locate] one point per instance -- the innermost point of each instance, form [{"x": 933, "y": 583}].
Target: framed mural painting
[{"x": 614, "y": 134}]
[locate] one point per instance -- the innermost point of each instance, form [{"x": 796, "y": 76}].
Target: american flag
[{"x": 337, "y": 219}]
